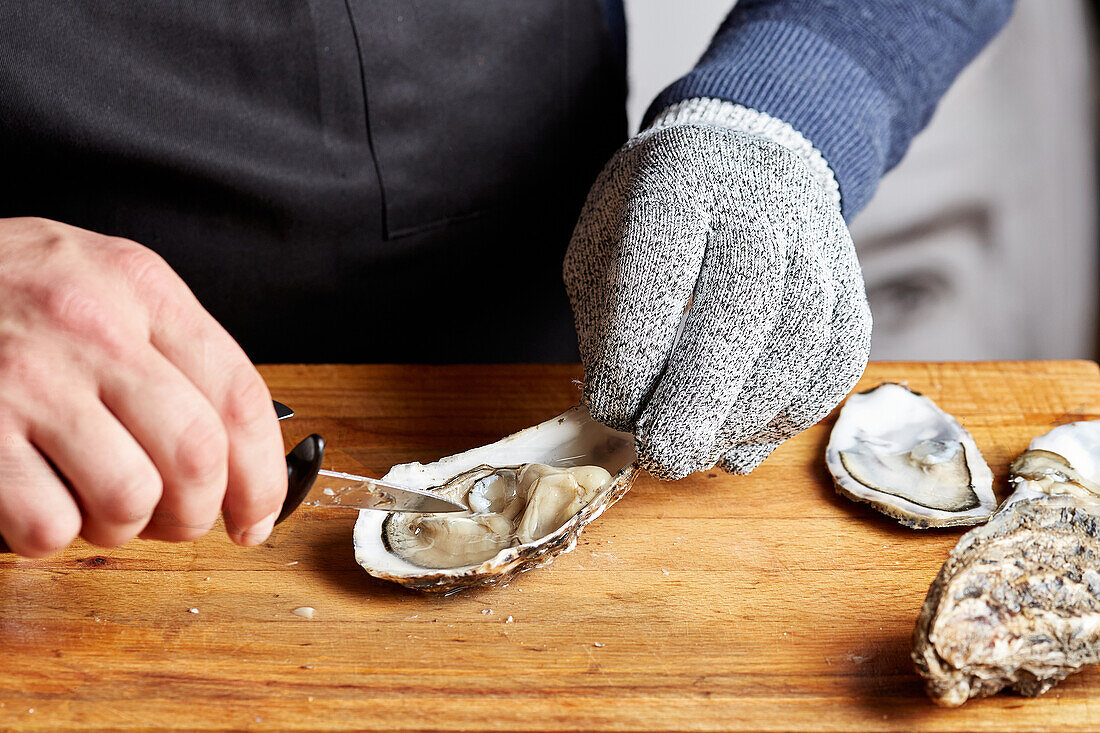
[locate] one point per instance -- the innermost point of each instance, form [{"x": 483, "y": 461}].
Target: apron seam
[{"x": 366, "y": 120}]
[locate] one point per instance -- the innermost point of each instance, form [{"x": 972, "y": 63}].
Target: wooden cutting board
[{"x": 717, "y": 602}]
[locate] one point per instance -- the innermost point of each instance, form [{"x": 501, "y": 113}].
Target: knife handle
[{"x": 302, "y": 465}]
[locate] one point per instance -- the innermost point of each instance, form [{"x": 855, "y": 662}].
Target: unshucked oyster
[
  {"x": 529, "y": 496},
  {"x": 1017, "y": 604},
  {"x": 896, "y": 450}
]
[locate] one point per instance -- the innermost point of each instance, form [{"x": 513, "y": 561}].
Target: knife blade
[{"x": 348, "y": 491}]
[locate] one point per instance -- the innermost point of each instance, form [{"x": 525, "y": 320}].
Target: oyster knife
[
  {"x": 348, "y": 491},
  {"x": 311, "y": 485}
]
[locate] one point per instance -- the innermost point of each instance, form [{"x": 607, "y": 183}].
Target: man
[{"x": 370, "y": 180}]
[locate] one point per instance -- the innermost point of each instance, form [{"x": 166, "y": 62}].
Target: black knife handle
[{"x": 302, "y": 465}]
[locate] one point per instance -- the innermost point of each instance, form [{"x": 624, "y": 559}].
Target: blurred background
[{"x": 983, "y": 243}]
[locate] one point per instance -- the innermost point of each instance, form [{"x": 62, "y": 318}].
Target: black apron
[{"x": 368, "y": 180}]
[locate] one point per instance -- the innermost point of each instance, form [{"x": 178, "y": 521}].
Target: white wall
[
  {"x": 666, "y": 39},
  {"x": 983, "y": 242}
]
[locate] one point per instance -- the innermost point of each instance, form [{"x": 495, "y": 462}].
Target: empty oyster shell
[
  {"x": 896, "y": 450},
  {"x": 530, "y": 496},
  {"x": 1017, "y": 604}
]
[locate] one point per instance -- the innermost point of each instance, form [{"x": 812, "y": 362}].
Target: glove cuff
[{"x": 730, "y": 116}]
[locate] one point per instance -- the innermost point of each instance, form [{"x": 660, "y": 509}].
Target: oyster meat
[
  {"x": 508, "y": 506},
  {"x": 896, "y": 450},
  {"x": 1064, "y": 461},
  {"x": 1017, "y": 604},
  {"x": 529, "y": 496}
]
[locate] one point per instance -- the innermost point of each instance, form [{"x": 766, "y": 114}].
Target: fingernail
[{"x": 259, "y": 531}]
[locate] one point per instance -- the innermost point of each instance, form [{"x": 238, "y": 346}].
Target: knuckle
[
  {"x": 140, "y": 266},
  {"x": 247, "y": 402},
  {"x": 129, "y": 500},
  {"x": 22, "y": 366},
  {"x": 74, "y": 308},
  {"x": 53, "y": 239},
  {"x": 31, "y": 222},
  {"x": 43, "y": 224},
  {"x": 202, "y": 453},
  {"x": 44, "y": 536}
]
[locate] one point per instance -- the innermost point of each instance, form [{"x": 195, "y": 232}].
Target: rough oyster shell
[
  {"x": 570, "y": 439},
  {"x": 1017, "y": 604},
  {"x": 896, "y": 450}
]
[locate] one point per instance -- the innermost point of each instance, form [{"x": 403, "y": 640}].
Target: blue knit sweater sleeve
[{"x": 858, "y": 78}]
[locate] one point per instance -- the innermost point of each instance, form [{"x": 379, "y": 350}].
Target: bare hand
[{"x": 114, "y": 377}]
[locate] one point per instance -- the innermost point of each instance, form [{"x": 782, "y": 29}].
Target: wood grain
[{"x": 718, "y": 602}]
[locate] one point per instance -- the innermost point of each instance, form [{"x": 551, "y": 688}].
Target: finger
[
  {"x": 630, "y": 271},
  {"x": 182, "y": 434},
  {"x": 743, "y": 459},
  {"x": 825, "y": 387},
  {"x": 734, "y": 310},
  {"x": 213, "y": 362},
  {"x": 115, "y": 482},
  {"x": 257, "y": 468},
  {"x": 38, "y": 515},
  {"x": 795, "y": 348}
]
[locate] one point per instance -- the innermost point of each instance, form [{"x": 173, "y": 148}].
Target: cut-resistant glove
[{"x": 718, "y": 301}]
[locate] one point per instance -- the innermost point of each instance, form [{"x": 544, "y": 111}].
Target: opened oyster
[
  {"x": 508, "y": 507},
  {"x": 1064, "y": 461},
  {"x": 1017, "y": 604},
  {"x": 529, "y": 496},
  {"x": 896, "y": 450}
]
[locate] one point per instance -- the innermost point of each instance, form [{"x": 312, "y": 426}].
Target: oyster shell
[
  {"x": 1064, "y": 461},
  {"x": 896, "y": 450},
  {"x": 531, "y": 494},
  {"x": 507, "y": 507},
  {"x": 1017, "y": 604}
]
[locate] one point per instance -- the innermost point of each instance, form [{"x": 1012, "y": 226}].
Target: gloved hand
[{"x": 719, "y": 304}]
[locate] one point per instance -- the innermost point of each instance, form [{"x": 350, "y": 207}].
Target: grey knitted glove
[{"x": 718, "y": 301}]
